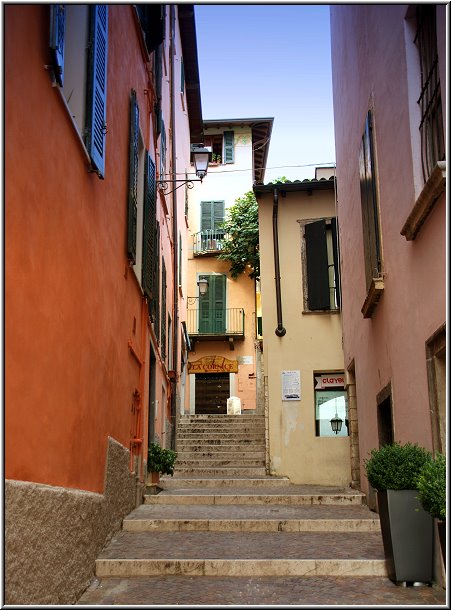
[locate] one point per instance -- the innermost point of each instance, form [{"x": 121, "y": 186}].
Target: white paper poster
[{"x": 291, "y": 385}]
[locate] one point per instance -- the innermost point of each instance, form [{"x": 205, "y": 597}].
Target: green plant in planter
[
  {"x": 396, "y": 466},
  {"x": 160, "y": 460},
  {"x": 432, "y": 487}
]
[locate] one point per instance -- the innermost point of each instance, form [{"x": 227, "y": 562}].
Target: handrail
[{"x": 220, "y": 322}]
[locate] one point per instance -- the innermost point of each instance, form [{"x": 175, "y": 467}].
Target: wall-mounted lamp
[
  {"x": 336, "y": 423},
  {"x": 201, "y": 156},
  {"x": 203, "y": 286}
]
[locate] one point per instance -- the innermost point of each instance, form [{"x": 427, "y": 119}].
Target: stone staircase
[
  {"x": 221, "y": 515},
  {"x": 220, "y": 445}
]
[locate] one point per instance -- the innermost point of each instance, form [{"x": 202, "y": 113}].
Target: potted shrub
[
  {"x": 407, "y": 529},
  {"x": 432, "y": 495},
  {"x": 160, "y": 461}
]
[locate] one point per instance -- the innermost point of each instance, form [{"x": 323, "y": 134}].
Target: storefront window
[{"x": 330, "y": 402}]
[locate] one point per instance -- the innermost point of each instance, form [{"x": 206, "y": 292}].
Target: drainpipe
[
  {"x": 175, "y": 324},
  {"x": 280, "y": 330}
]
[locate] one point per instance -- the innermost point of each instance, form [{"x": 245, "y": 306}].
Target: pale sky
[{"x": 271, "y": 60}]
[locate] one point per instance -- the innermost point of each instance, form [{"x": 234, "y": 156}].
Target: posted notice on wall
[{"x": 291, "y": 385}]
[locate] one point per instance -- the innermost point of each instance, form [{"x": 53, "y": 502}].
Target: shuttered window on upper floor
[
  {"x": 152, "y": 18},
  {"x": 369, "y": 204},
  {"x": 149, "y": 229},
  {"x": 322, "y": 265},
  {"x": 79, "y": 49}
]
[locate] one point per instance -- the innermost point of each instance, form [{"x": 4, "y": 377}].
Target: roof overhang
[
  {"x": 188, "y": 38},
  {"x": 295, "y": 186},
  {"x": 261, "y": 136}
]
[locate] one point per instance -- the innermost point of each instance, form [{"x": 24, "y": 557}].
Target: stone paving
[{"x": 263, "y": 591}]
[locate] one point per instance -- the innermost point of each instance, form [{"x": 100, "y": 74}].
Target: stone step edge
[
  {"x": 201, "y": 482},
  {"x": 288, "y": 499},
  {"x": 252, "y": 525},
  {"x": 220, "y": 471},
  {"x": 240, "y": 567}
]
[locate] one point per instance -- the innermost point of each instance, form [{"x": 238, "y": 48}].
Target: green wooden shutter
[
  {"x": 229, "y": 149},
  {"x": 317, "y": 266},
  {"x": 163, "y": 151},
  {"x": 218, "y": 214},
  {"x": 156, "y": 298},
  {"x": 334, "y": 227},
  {"x": 57, "y": 31},
  {"x": 97, "y": 88},
  {"x": 163, "y": 309},
  {"x": 149, "y": 227},
  {"x": 206, "y": 223},
  {"x": 133, "y": 178},
  {"x": 370, "y": 220},
  {"x": 212, "y": 314}
]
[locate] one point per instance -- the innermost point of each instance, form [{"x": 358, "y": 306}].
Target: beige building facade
[
  {"x": 221, "y": 326},
  {"x": 302, "y": 350}
]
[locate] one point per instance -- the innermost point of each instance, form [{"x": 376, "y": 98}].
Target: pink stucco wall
[{"x": 370, "y": 71}]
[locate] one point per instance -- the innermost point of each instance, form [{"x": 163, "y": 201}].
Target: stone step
[
  {"x": 207, "y": 464},
  {"x": 226, "y": 454},
  {"x": 224, "y": 471},
  {"x": 219, "y": 449},
  {"x": 233, "y": 495},
  {"x": 217, "y": 518},
  {"x": 217, "y": 442},
  {"x": 200, "y": 430},
  {"x": 246, "y": 437},
  {"x": 210, "y": 553},
  {"x": 168, "y": 482},
  {"x": 220, "y": 418}
]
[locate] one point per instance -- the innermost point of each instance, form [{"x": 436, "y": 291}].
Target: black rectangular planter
[{"x": 407, "y": 535}]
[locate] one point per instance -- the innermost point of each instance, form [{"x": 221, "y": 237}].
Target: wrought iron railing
[
  {"x": 208, "y": 242},
  {"x": 215, "y": 322}
]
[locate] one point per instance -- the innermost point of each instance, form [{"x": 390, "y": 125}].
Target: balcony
[
  {"x": 207, "y": 242},
  {"x": 215, "y": 325}
]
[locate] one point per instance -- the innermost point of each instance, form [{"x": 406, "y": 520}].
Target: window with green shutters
[
  {"x": 152, "y": 20},
  {"x": 163, "y": 310},
  {"x": 79, "y": 49},
  {"x": 229, "y": 147},
  {"x": 369, "y": 204},
  {"x": 212, "y": 305},
  {"x": 149, "y": 229},
  {"x": 321, "y": 266},
  {"x": 133, "y": 179},
  {"x": 211, "y": 219},
  {"x": 155, "y": 304}
]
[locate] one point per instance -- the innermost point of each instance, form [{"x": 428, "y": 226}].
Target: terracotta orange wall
[{"x": 70, "y": 305}]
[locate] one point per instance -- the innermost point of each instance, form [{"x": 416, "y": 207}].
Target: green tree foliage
[{"x": 240, "y": 244}]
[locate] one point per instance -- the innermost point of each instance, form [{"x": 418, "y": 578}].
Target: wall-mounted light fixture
[
  {"x": 201, "y": 156},
  {"x": 203, "y": 289},
  {"x": 336, "y": 423}
]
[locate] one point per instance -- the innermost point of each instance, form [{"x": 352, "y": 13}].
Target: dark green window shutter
[
  {"x": 57, "y": 31},
  {"x": 317, "y": 266},
  {"x": 334, "y": 227},
  {"x": 370, "y": 220},
  {"x": 212, "y": 314},
  {"x": 133, "y": 178},
  {"x": 152, "y": 20},
  {"x": 163, "y": 151},
  {"x": 229, "y": 148},
  {"x": 182, "y": 76},
  {"x": 156, "y": 299},
  {"x": 212, "y": 215},
  {"x": 163, "y": 309},
  {"x": 149, "y": 227},
  {"x": 96, "y": 92}
]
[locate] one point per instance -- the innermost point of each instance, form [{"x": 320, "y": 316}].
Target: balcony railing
[
  {"x": 215, "y": 323},
  {"x": 207, "y": 242}
]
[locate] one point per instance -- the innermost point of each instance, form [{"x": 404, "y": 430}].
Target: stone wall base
[{"x": 53, "y": 535}]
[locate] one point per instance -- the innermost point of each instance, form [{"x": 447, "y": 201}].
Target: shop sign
[
  {"x": 213, "y": 364},
  {"x": 332, "y": 380}
]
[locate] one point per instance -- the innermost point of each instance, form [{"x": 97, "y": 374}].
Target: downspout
[
  {"x": 280, "y": 330},
  {"x": 175, "y": 325}
]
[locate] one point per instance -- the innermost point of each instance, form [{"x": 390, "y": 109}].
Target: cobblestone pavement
[{"x": 263, "y": 591}]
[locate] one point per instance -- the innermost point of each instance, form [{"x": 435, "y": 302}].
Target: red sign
[{"x": 333, "y": 380}]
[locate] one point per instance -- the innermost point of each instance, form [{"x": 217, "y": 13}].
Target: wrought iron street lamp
[
  {"x": 203, "y": 289},
  {"x": 201, "y": 157}
]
